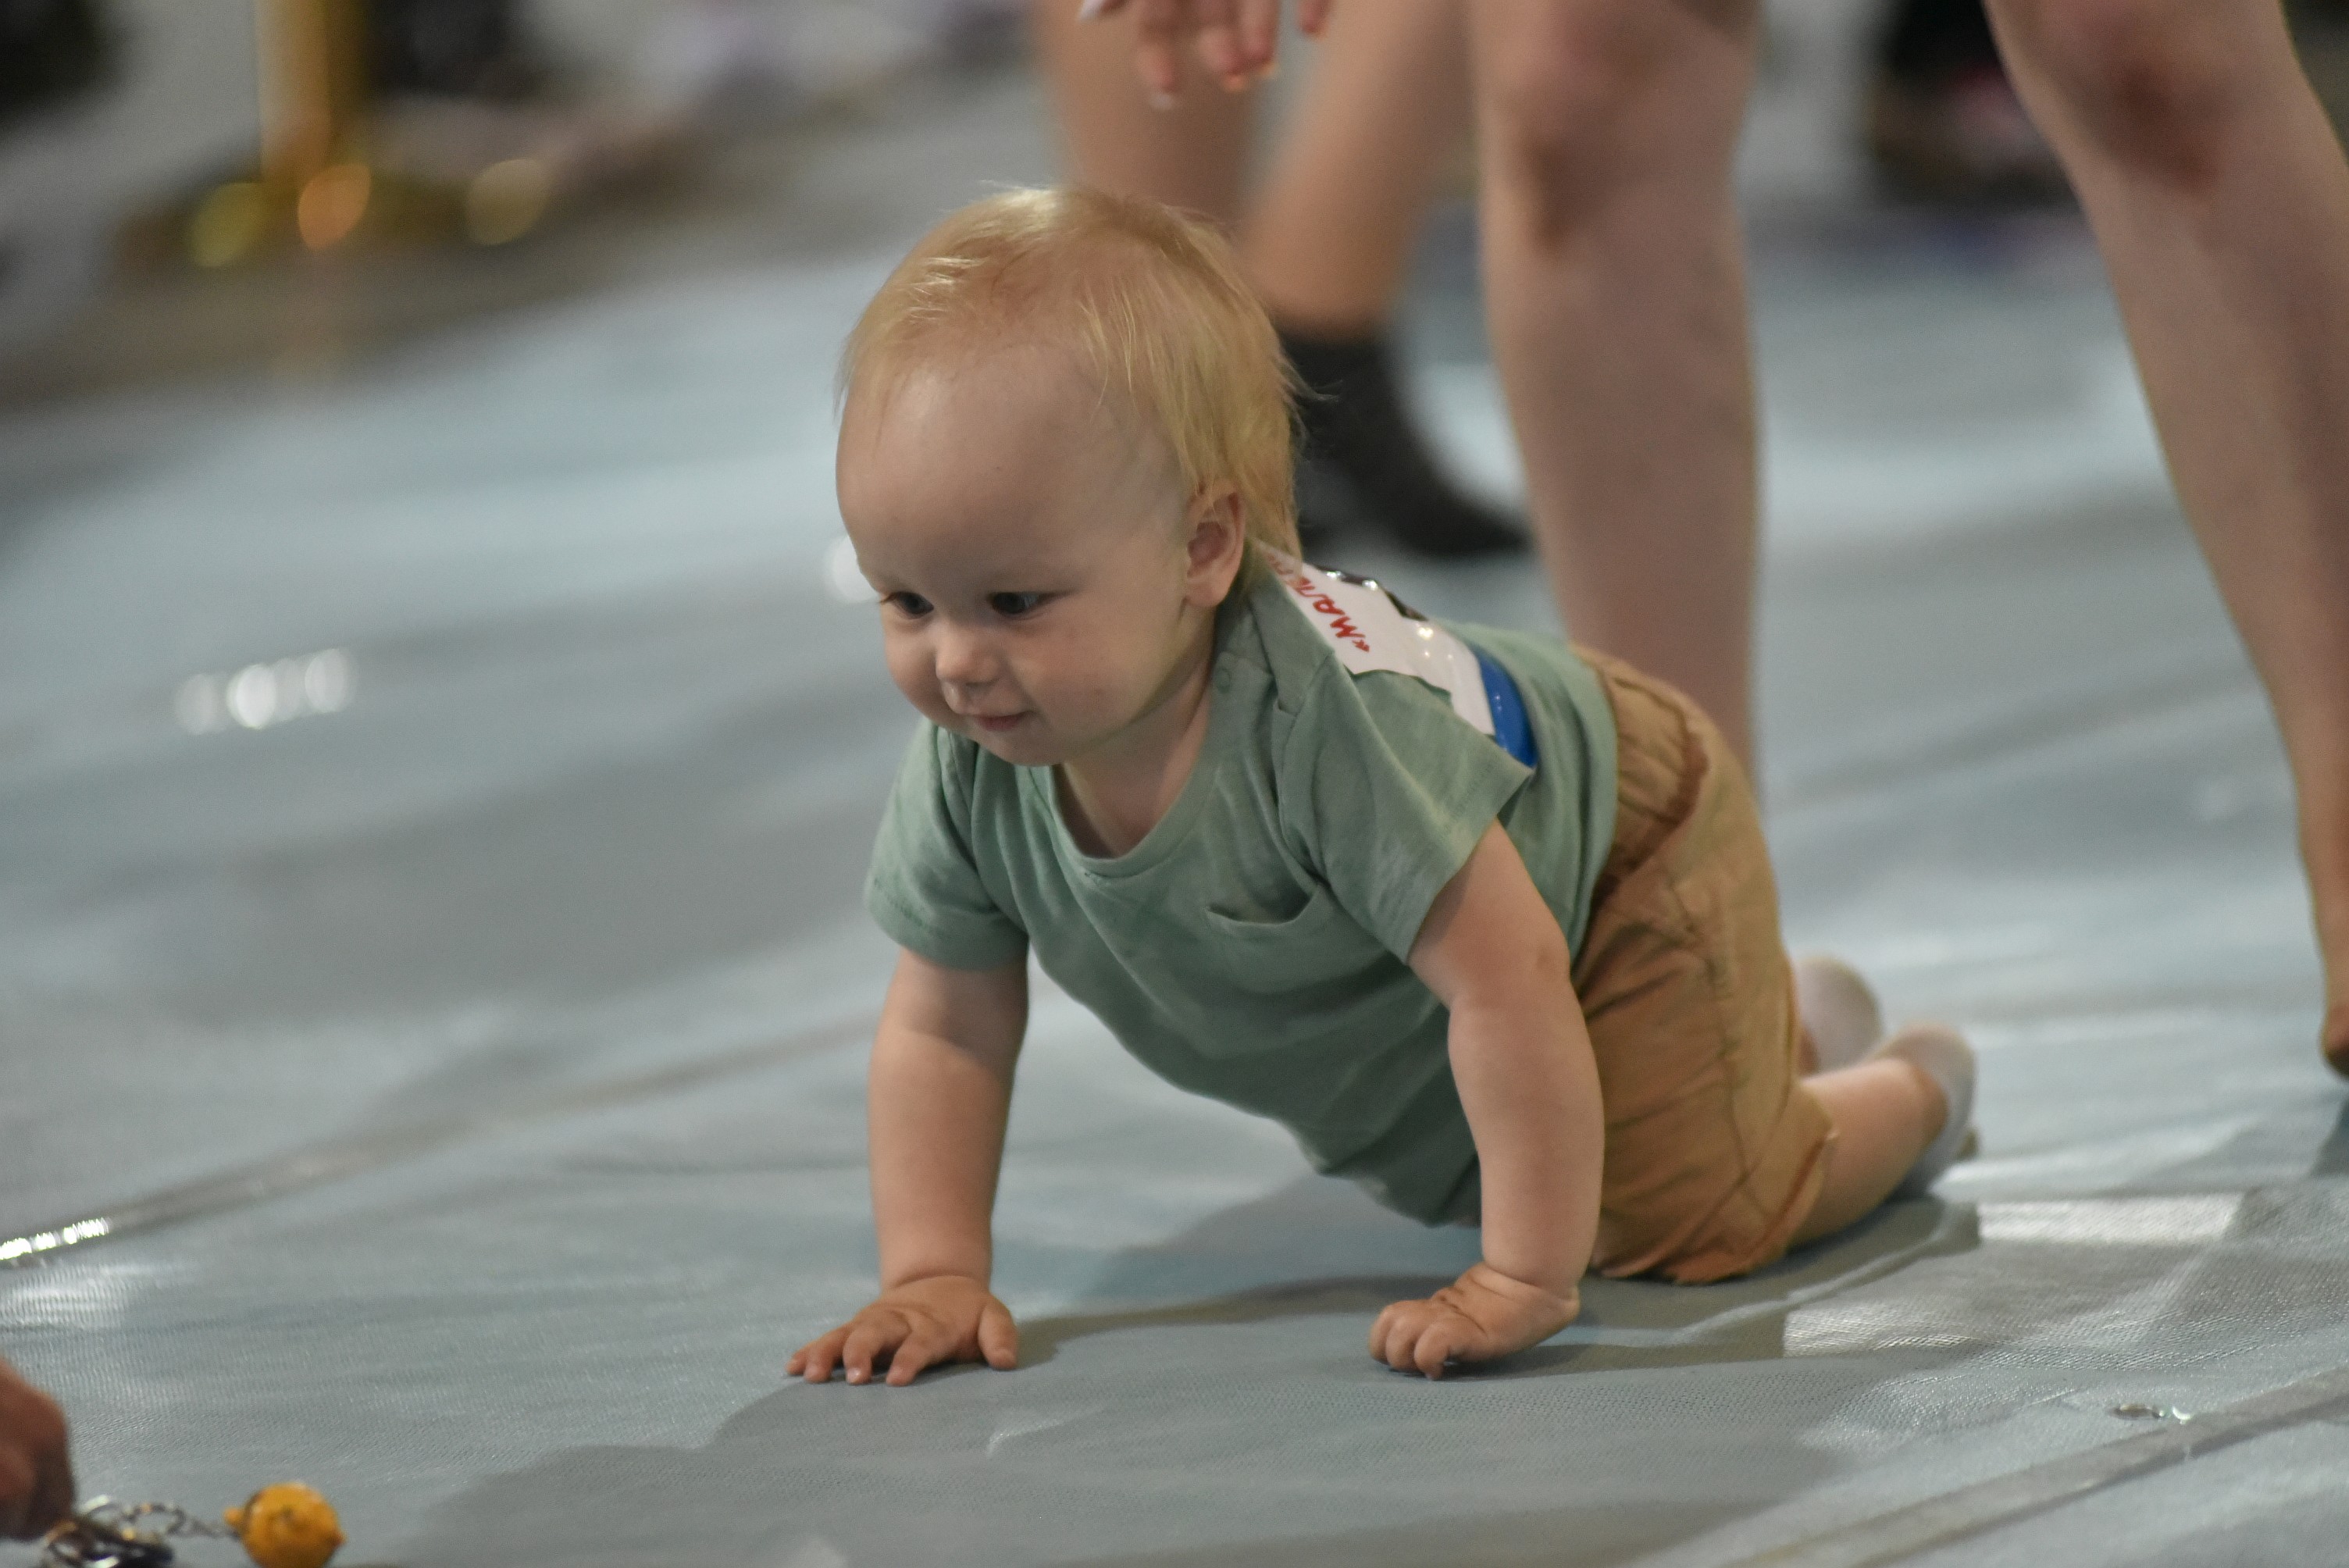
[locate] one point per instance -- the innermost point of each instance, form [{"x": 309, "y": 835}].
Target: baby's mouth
[{"x": 995, "y": 723}]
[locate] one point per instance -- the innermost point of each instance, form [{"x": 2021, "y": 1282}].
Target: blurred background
[{"x": 144, "y": 232}]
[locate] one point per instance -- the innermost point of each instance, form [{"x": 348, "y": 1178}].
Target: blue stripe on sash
[{"x": 1511, "y": 728}]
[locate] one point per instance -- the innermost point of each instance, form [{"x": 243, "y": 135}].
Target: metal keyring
[{"x": 104, "y": 1533}]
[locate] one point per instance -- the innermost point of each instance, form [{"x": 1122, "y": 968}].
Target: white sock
[
  {"x": 1839, "y": 1009},
  {"x": 1944, "y": 1056}
]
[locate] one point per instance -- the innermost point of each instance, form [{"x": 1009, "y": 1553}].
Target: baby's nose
[{"x": 964, "y": 661}]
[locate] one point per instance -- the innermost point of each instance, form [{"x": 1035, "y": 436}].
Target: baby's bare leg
[{"x": 1885, "y": 1111}]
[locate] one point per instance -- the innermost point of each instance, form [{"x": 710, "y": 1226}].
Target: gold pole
[
  {"x": 313, "y": 118},
  {"x": 315, "y": 158},
  {"x": 313, "y": 82}
]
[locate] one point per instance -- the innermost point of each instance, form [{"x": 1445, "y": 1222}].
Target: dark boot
[
  {"x": 1364, "y": 463},
  {"x": 51, "y": 53},
  {"x": 1943, "y": 123}
]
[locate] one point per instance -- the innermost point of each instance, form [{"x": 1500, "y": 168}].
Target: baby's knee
[
  {"x": 2154, "y": 83},
  {"x": 1582, "y": 98}
]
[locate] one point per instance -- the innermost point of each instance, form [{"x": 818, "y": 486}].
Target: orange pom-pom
[{"x": 287, "y": 1526}]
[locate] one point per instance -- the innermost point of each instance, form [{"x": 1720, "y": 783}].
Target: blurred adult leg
[
  {"x": 2221, "y": 198},
  {"x": 1331, "y": 235},
  {"x": 1616, "y": 288},
  {"x": 1192, "y": 153},
  {"x": 1328, "y": 243}
]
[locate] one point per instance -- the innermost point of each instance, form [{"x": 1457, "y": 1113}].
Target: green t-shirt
[{"x": 1252, "y": 946}]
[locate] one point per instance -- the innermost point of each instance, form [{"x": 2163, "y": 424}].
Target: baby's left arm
[{"x": 1491, "y": 949}]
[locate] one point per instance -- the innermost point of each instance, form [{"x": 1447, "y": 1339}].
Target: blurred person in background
[
  {"x": 51, "y": 53},
  {"x": 460, "y": 49},
  {"x": 458, "y": 87},
  {"x": 1943, "y": 121},
  {"x": 1327, "y": 240},
  {"x": 36, "y": 1484},
  {"x": 1615, "y": 286},
  {"x": 1641, "y": 317}
]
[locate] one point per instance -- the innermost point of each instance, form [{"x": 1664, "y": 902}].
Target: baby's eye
[
  {"x": 912, "y": 604},
  {"x": 1012, "y": 606}
]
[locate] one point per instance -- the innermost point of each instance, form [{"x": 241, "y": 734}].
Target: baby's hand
[
  {"x": 927, "y": 1323},
  {"x": 1482, "y": 1314}
]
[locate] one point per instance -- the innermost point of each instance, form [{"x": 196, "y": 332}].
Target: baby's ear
[{"x": 1218, "y": 545}]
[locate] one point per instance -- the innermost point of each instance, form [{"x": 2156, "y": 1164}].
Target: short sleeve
[
  {"x": 1389, "y": 789},
  {"x": 925, "y": 889}
]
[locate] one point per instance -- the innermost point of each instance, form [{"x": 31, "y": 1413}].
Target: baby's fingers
[
  {"x": 999, "y": 1336},
  {"x": 1382, "y": 1332},
  {"x": 1438, "y": 1343},
  {"x": 926, "y": 1345},
  {"x": 1398, "y": 1332},
  {"x": 1312, "y": 15},
  {"x": 869, "y": 1339},
  {"x": 816, "y": 1358}
]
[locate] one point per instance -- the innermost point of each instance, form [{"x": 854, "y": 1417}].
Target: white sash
[{"x": 1373, "y": 630}]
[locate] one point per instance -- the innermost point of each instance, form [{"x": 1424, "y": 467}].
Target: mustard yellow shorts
[{"x": 1714, "y": 1152}]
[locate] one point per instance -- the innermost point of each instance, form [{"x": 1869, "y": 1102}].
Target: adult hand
[
  {"x": 36, "y": 1484},
  {"x": 1235, "y": 39},
  {"x": 1482, "y": 1314},
  {"x": 926, "y": 1323}
]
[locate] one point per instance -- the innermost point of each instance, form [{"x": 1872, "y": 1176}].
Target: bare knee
[
  {"x": 1581, "y": 98},
  {"x": 2158, "y": 84}
]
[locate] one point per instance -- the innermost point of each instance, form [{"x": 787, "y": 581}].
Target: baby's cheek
[
  {"x": 910, "y": 671},
  {"x": 1114, "y": 672},
  {"x": 1089, "y": 702},
  {"x": 1089, "y": 678}
]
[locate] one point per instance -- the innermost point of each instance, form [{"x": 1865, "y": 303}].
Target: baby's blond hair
[{"x": 1152, "y": 302}]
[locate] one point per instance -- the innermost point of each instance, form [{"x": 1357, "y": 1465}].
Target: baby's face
[{"x": 1034, "y": 555}]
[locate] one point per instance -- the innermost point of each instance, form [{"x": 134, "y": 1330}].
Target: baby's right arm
[{"x": 939, "y": 1094}]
